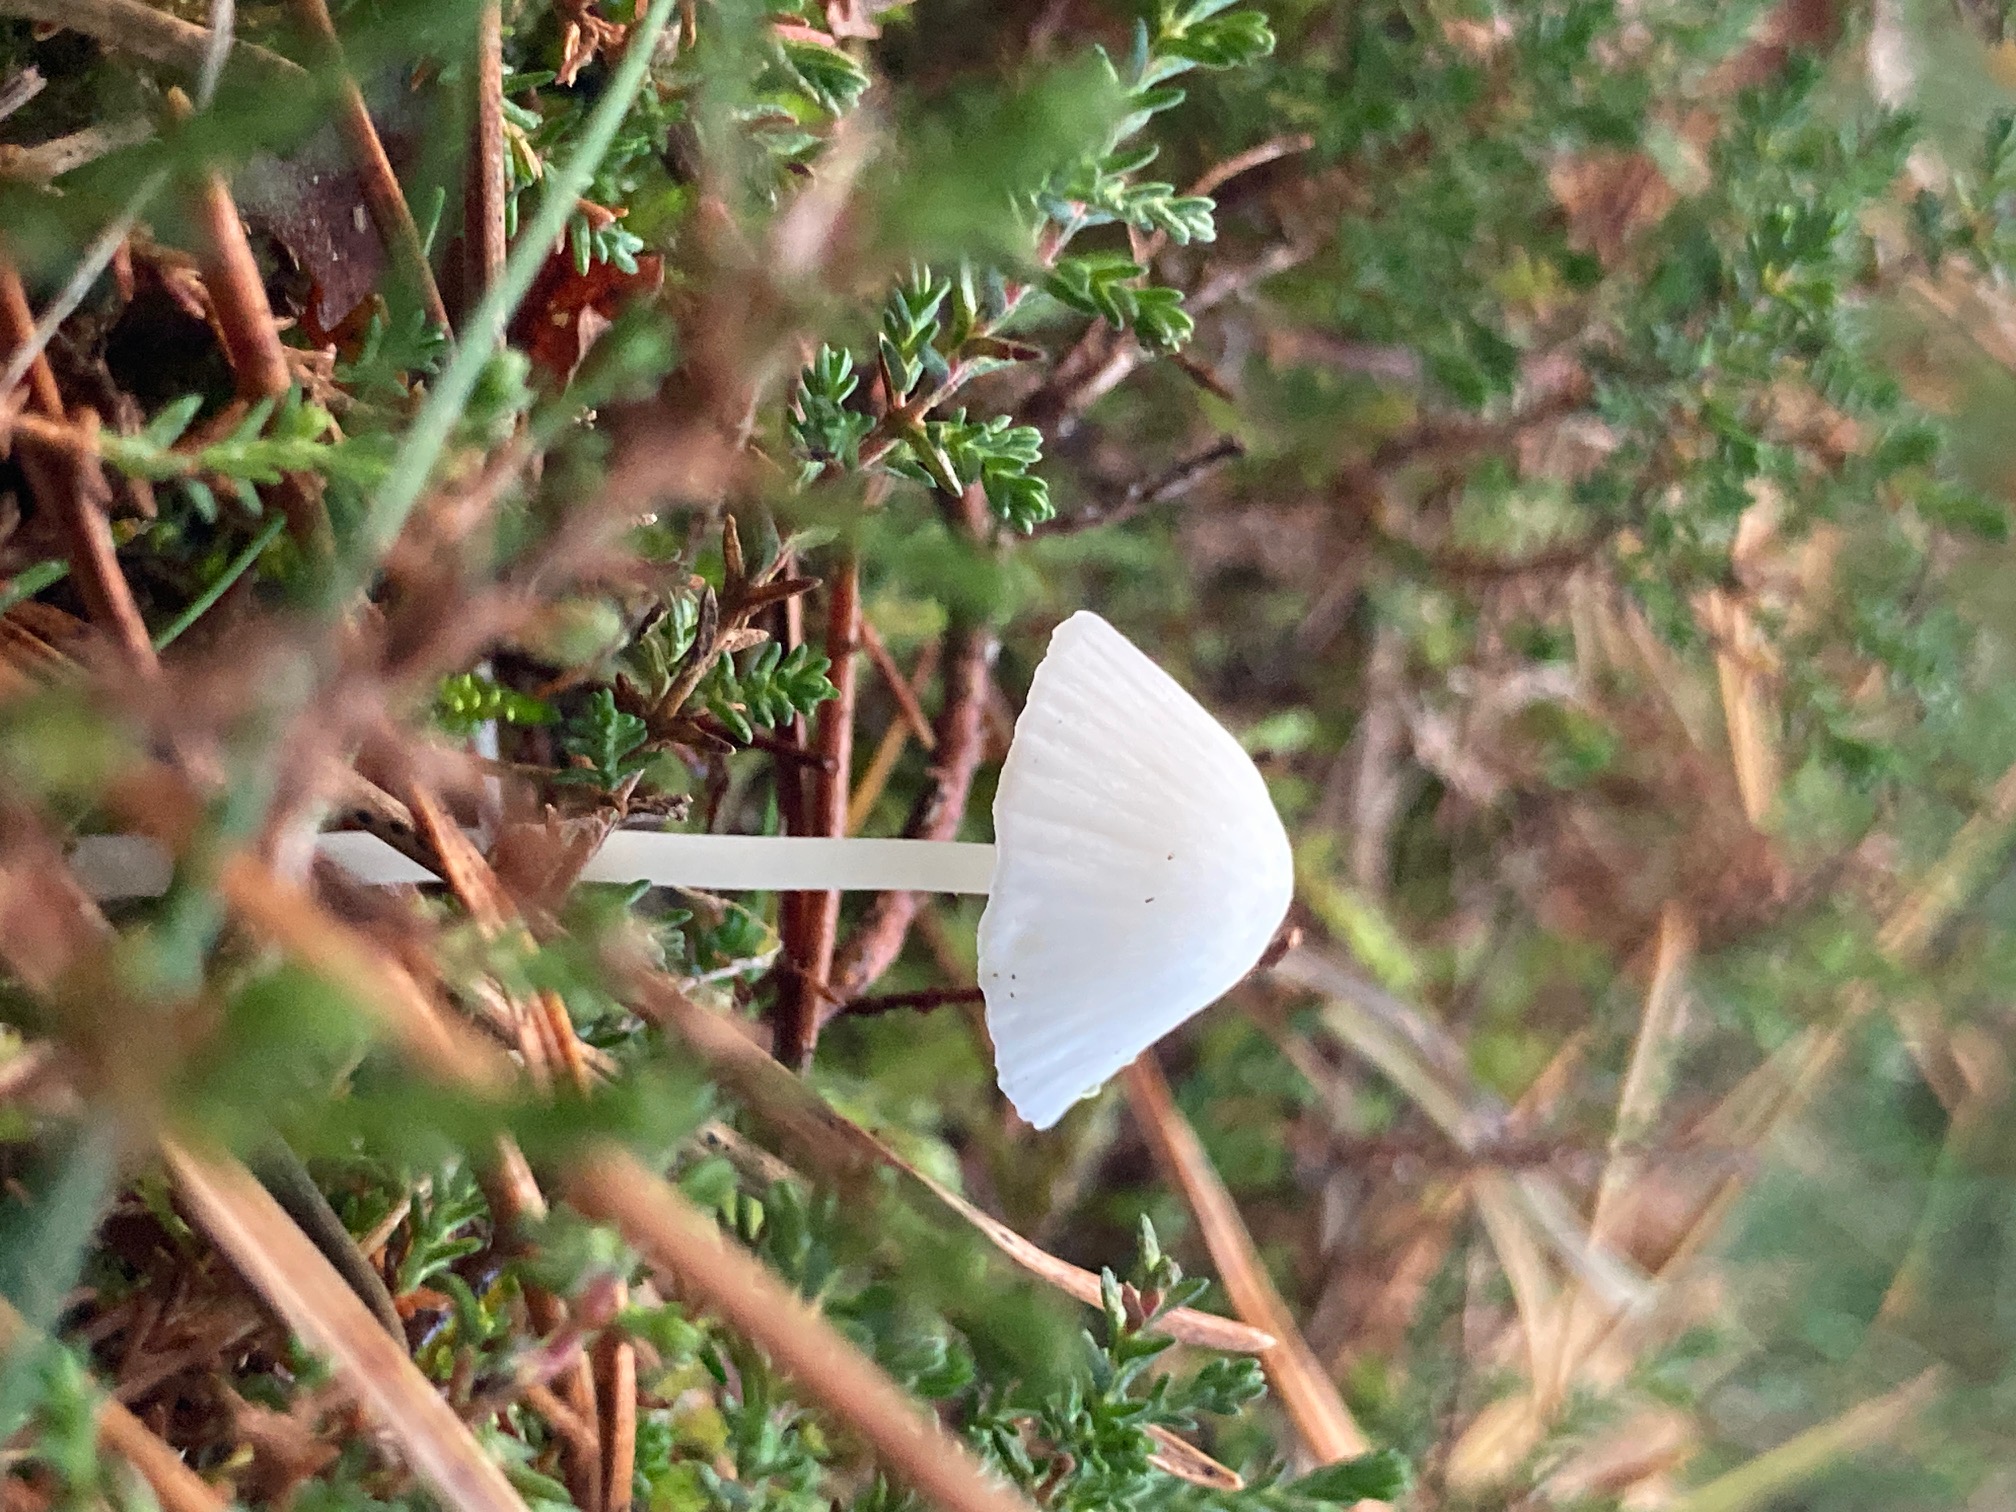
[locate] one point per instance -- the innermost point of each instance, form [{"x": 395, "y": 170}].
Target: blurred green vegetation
[{"x": 1564, "y": 440}]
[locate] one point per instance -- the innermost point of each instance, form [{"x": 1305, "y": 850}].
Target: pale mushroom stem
[{"x": 126, "y": 866}]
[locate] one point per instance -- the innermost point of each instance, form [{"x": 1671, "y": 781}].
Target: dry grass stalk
[
  {"x": 713, "y": 1274},
  {"x": 846, "y": 1154},
  {"x": 1420, "y": 1059},
  {"x": 241, "y": 1218},
  {"x": 1749, "y": 712},
  {"x": 1761, "y": 1481},
  {"x": 1309, "y": 1396}
]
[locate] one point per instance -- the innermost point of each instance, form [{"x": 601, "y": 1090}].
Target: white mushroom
[{"x": 1139, "y": 869}]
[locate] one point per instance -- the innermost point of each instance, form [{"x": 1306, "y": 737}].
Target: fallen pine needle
[
  {"x": 843, "y": 1152},
  {"x": 727, "y": 1281},
  {"x": 1309, "y": 1396},
  {"x": 241, "y": 1218}
]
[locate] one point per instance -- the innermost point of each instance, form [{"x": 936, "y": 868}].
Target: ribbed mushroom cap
[{"x": 1140, "y": 870}]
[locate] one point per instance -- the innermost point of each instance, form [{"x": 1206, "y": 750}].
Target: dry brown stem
[
  {"x": 899, "y": 686},
  {"x": 73, "y": 490},
  {"x": 154, "y": 35},
  {"x": 241, "y": 1218},
  {"x": 712, "y": 1273},
  {"x": 816, "y": 918},
  {"x": 848, "y": 1155},
  {"x": 250, "y": 336},
  {"x": 1322, "y": 1421},
  {"x": 483, "y": 200},
  {"x": 889, "y": 750},
  {"x": 616, "y": 1398}
]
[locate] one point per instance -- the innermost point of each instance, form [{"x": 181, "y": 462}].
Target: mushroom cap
[{"x": 1140, "y": 870}]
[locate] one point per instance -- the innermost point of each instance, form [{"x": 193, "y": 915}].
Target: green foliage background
[{"x": 1567, "y": 447}]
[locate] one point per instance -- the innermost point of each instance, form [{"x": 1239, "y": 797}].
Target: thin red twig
[{"x": 805, "y": 1005}]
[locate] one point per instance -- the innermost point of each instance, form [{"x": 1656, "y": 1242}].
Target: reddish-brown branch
[
  {"x": 389, "y": 211},
  {"x": 245, "y": 321},
  {"x": 616, "y": 1397},
  {"x": 805, "y": 1005},
  {"x": 73, "y": 490},
  {"x": 918, "y": 1002},
  {"x": 1307, "y": 1393},
  {"x": 874, "y": 946},
  {"x": 483, "y": 199},
  {"x": 237, "y": 292}
]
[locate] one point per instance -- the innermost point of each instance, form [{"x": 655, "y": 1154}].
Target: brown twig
[
  {"x": 241, "y": 1218},
  {"x": 389, "y": 211},
  {"x": 817, "y": 918},
  {"x": 875, "y": 944},
  {"x": 47, "y": 161},
  {"x": 1321, "y": 1419},
  {"x": 616, "y": 1398},
  {"x": 73, "y": 490},
  {"x": 1174, "y": 483},
  {"x": 154, "y": 35},
  {"x": 237, "y": 292},
  {"x": 245, "y": 321},
  {"x": 915, "y": 1002},
  {"x": 729, "y": 1282},
  {"x": 889, "y": 750},
  {"x": 899, "y": 686},
  {"x": 848, "y": 1155},
  {"x": 483, "y": 197}
]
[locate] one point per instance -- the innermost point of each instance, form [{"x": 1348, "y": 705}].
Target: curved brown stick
[{"x": 152, "y": 34}]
